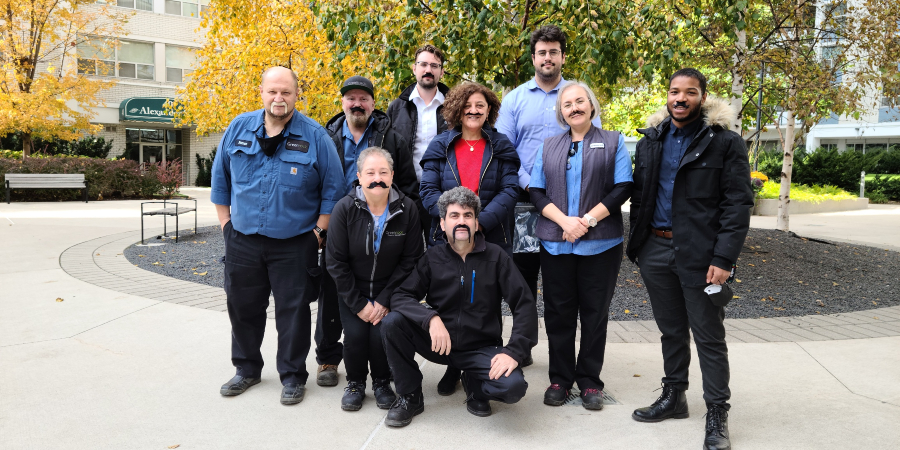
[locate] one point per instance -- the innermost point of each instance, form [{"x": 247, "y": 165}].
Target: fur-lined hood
[{"x": 715, "y": 112}]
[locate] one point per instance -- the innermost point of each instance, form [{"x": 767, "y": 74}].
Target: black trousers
[
  {"x": 328, "y": 321},
  {"x": 403, "y": 339},
  {"x": 578, "y": 285},
  {"x": 363, "y": 348},
  {"x": 256, "y": 265},
  {"x": 680, "y": 311}
]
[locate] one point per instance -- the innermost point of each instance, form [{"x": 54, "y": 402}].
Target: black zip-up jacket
[
  {"x": 466, "y": 295},
  {"x": 711, "y": 199},
  {"x": 359, "y": 273},
  {"x": 381, "y": 135},
  {"x": 405, "y": 116}
]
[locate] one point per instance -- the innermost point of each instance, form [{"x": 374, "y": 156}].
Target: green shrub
[
  {"x": 889, "y": 187},
  {"x": 890, "y": 161},
  {"x": 876, "y": 197},
  {"x": 105, "y": 178},
  {"x": 204, "y": 169},
  {"x": 90, "y": 146},
  {"x": 823, "y": 167},
  {"x": 803, "y": 193}
]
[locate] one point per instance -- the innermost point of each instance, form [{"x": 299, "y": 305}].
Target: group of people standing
[{"x": 412, "y": 213}]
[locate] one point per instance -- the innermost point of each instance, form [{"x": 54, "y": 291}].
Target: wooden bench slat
[{"x": 46, "y": 186}]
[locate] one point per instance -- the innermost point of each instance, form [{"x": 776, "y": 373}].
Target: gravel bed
[{"x": 779, "y": 274}]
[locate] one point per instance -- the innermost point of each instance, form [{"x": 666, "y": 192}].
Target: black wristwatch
[{"x": 321, "y": 232}]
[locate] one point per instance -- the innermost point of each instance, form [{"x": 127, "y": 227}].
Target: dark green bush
[
  {"x": 204, "y": 169},
  {"x": 90, "y": 146},
  {"x": 890, "y": 161},
  {"x": 105, "y": 178},
  {"x": 823, "y": 167},
  {"x": 889, "y": 187}
]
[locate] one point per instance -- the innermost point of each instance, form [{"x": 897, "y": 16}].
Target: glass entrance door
[{"x": 151, "y": 153}]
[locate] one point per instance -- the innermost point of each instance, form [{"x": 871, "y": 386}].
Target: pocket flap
[{"x": 295, "y": 157}]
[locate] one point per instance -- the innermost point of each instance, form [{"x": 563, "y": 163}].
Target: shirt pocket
[
  {"x": 241, "y": 166},
  {"x": 702, "y": 179},
  {"x": 293, "y": 168}
]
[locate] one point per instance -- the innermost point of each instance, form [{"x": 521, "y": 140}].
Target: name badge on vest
[
  {"x": 598, "y": 145},
  {"x": 242, "y": 143},
  {"x": 296, "y": 145}
]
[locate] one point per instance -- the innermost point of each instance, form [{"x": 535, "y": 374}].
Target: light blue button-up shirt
[
  {"x": 352, "y": 149},
  {"x": 283, "y": 195},
  {"x": 527, "y": 117},
  {"x": 573, "y": 190}
]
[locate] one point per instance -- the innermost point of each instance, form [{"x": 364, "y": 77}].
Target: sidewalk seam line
[{"x": 839, "y": 380}]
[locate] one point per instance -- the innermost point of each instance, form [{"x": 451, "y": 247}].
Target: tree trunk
[
  {"x": 737, "y": 79},
  {"x": 27, "y": 145},
  {"x": 787, "y": 166}
]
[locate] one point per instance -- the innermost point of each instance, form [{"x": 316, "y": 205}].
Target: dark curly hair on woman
[{"x": 455, "y": 103}]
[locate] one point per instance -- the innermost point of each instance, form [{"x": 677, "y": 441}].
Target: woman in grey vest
[{"x": 579, "y": 181}]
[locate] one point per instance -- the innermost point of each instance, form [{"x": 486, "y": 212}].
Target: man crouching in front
[{"x": 464, "y": 280}]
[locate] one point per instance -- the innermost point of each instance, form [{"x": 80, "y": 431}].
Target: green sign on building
[{"x": 144, "y": 109}]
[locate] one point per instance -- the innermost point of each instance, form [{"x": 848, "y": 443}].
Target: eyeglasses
[
  {"x": 572, "y": 152},
  {"x": 553, "y": 53},
  {"x": 425, "y": 65}
]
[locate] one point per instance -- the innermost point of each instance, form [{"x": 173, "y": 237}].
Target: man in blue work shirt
[
  {"x": 277, "y": 171},
  {"x": 358, "y": 127},
  {"x": 527, "y": 117}
]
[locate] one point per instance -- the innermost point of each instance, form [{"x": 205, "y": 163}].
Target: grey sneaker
[{"x": 237, "y": 385}]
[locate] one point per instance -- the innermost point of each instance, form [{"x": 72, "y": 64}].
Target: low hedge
[
  {"x": 883, "y": 188},
  {"x": 106, "y": 178},
  {"x": 803, "y": 193}
]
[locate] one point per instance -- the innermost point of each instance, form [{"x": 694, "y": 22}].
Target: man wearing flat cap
[{"x": 357, "y": 128}]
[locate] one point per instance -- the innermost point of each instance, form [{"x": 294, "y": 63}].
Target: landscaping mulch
[{"x": 778, "y": 274}]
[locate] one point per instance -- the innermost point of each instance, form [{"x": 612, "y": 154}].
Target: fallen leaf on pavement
[
  {"x": 59, "y": 299},
  {"x": 627, "y": 311},
  {"x": 636, "y": 376},
  {"x": 175, "y": 446},
  {"x": 201, "y": 273}
]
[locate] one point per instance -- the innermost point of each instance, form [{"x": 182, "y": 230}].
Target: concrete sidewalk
[{"x": 105, "y": 368}]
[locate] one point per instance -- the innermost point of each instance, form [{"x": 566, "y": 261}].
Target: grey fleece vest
[{"x": 597, "y": 181}]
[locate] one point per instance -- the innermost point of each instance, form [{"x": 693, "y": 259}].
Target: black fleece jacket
[
  {"x": 359, "y": 273},
  {"x": 470, "y": 313}
]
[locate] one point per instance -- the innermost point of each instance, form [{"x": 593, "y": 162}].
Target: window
[
  {"x": 179, "y": 61},
  {"x": 143, "y": 5},
  {"x": 189, "y": 8},
  {"x": 129, "y": 60}
]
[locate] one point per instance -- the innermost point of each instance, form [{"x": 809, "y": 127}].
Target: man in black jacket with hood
[
  {"x": 464, "y": 281},
  {"x": 357, "y": 128},
  {"x": 690, "y": 213}
]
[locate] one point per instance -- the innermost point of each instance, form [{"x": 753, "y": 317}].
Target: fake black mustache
[
  {"x": 681, "y": 104},
  {"x": 375, "y": 184},
  {"x": 357, "y": 109},
  {"x": 575, "y": 113},
  {"x": 474, "y": 114},
  {"x": 427, "y": 74}
]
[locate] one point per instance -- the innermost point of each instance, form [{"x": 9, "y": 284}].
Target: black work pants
[
  {"x": 328, "y": 321},
  {"x": 255, "y": 266},
  {"x": 679, "y": 311},
  {"x": 403, "y": 339},
  {"x": 362, "y": 348},
  {"x": 578, "y": 285}
]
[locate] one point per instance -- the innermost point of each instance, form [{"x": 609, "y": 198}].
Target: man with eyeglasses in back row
[{"x": 416, "y": 114}]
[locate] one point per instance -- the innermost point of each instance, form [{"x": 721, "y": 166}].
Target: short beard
[
  {"x": 287, "y": 113},
  {"x": 425, "y": 84},
  {"x": 553, "y": 75},
  {"x": 693, "y": 114},
  {"x": 358, "y": 121}
]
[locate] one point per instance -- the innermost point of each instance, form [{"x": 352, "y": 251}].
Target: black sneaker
[
  {"x": 384, "y": 395},
  {"x": 474, "y": 404},
  {"x": 291, "y": 394},
  {"x": 237, "y": 385},
  {"x": 447, "y": 385},
  {"x": 555, "y": 395},
  {"x": 353, "y": 397},
  {"x": 405, "y": 408},
  {"x": 592, "y": 399},
  {"x": 716, "y": 428}
]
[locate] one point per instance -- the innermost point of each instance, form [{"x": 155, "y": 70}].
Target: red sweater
[{"x": 469, "y": 162}]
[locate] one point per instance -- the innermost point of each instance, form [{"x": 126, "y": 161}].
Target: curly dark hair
[
  {"x": 548, "y": 33},
  {"x": 455, "y": 102}
]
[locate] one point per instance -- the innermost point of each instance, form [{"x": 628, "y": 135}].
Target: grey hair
[
  {"x": 591, "y": 97},
  {"x": 262, "y": 78},
  {"x": 461, "y": 196},
  {"x": 371, "y": 151}
]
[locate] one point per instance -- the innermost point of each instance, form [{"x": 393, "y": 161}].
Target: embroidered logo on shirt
[
  {"x": 395, "y": 233},
  {"x": 598, "y": 145},
  {"x": 296, "y": 145},
  {"x": 242, "y": 143},
  {"x": 293, "y": 171}
]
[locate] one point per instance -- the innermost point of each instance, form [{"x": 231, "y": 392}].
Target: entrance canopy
[{"x": 145, "y": 109}]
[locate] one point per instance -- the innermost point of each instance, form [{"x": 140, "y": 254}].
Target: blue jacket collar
[{"x": 293, "y": 127}]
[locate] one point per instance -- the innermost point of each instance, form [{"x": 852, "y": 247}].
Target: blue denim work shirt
[
  {"x": 527, "y": 117},
  {"x": 573, "y": 190},
  {"x": 675, "y": 143},
  {"x": 283, "y": 195},
  {"x": 351, "y": 153}
]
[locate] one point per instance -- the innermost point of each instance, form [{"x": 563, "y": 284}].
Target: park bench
[
  {"x": 175, "y": 210},
  {"x": 46, "y": 181}
]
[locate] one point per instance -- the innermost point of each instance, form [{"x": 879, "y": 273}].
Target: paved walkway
[{"x": 100, "y": 354}]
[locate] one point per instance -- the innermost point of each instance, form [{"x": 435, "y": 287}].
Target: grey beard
[
  {"x": 358, "y": 121},
  {"x": 277, "y": 116}
]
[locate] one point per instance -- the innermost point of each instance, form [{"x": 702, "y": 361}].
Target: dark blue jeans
[{"x": 255, "y": 266}]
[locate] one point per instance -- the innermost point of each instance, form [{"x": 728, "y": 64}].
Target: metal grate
[{"x": 574, "y": 398}]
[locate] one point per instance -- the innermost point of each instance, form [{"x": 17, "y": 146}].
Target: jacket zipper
[
  {"x": 491, "y": 158},
  {"x": 450, "y": 164},
  {"x": 375, "y": 262}
]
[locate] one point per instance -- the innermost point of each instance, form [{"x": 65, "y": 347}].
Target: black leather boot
[
  {"x": 405, "y": 408},
  {"x": 475, "y": 404},
  {"x": 447, "y": 385},
  {"x": 353, "y": 397},
  {"x": 671, "y": 404},
  {"x": 384, "y": 395},
  {"x": 716, "y": 428}
]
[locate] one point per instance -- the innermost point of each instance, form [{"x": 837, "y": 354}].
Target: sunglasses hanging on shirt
[{"x": 572, "y": 151}]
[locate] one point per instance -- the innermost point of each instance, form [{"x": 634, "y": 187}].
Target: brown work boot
[{"x": 327, "y": 375}]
